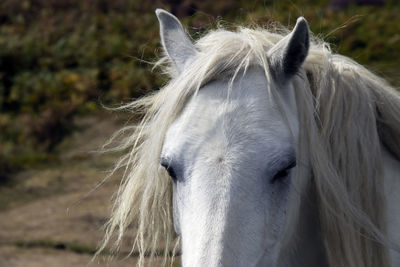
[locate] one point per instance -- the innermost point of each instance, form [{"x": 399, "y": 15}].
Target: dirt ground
[{"x": 53, "y": 217}]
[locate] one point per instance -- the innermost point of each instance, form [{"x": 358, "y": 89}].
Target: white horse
[{"x": 264, "y": 149}]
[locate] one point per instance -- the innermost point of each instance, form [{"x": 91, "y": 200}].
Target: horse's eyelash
[{"x": 283, "y": 172}]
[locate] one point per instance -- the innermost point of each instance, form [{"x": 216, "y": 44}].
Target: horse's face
[
  {"x": 231, "y": 160},
  {"x": 231, "y": 157}
]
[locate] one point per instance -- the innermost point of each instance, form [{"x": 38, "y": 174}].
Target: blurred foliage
[{"x": 62, "y": 58}]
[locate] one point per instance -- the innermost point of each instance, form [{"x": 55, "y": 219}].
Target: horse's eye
[
  {"x": 283, "y": 173},
  {"x": 169, "y": 169}
]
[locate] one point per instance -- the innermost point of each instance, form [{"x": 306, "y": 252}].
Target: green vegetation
[{"x": 61, "y": 59}]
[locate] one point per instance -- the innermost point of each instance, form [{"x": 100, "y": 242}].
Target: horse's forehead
[
  {"x": 247, "y": 91},
  {"x": 239, "y": 116}
]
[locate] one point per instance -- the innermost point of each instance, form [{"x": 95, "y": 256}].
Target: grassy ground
[
  {"x": 50, "y": 216},
  {"x": 46, "y": 216}
]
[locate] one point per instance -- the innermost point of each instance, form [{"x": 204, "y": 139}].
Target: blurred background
[{"x": 61, "y": 61}]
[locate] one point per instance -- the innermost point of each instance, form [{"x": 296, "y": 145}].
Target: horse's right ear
[
  {"x": 287, "y": 56},
  {"x": 174, "y": 39}
]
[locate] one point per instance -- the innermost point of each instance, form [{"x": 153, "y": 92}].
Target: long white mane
[{"x": 345, "y": 114}]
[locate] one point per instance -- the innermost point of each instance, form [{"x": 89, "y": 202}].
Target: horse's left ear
[
  {"x": 287, "y": 56},
  {"x": 174, "y": 39}
]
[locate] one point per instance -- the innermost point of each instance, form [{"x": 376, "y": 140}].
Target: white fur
[{"x": 227, "y": 150}]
